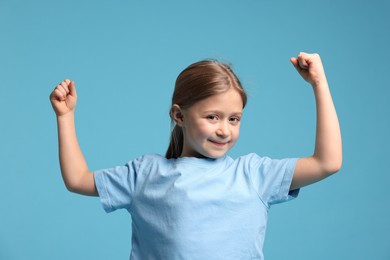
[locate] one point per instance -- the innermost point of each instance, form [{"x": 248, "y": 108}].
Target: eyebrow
[{"x": 220, "y": 112}]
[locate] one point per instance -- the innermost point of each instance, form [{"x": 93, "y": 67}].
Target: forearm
[
  {"x": 328, "y": 146},
  {"x": 74, "y": 168}
]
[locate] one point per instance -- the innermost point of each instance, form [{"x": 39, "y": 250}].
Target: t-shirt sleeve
[
  {"x": 116, "y": 185},
  {"x": 272, "y": 178}
]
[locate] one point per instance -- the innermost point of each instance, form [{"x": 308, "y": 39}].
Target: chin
[{"x": 214, "y": 155}]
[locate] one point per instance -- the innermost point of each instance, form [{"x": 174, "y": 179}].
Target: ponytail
[{"x": 176, "y": 143}]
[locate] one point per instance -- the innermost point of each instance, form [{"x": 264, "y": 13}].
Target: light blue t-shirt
[{"x": 193, "y": 208}]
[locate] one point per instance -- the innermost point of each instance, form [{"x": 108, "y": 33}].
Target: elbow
[
  {"x": 71, "y": 186},
  {"x": 328, "y": 164},
  {"x": 332, "y": 167},
  {"x": 83, "y": 184},
  {"x": 333, "y": 170}
]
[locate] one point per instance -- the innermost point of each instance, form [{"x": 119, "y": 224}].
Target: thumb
[
  {"x": 72, "y": 89},
  {"x": 295, "y": 63}
]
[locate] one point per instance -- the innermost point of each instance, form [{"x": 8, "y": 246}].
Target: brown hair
[{"x": 198, "y": 81}]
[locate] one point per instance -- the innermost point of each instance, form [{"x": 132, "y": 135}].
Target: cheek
[
  {"x": 205, "y": 130},
  {"x": 236, "y": 132},
  {"x": 202, "y": 130},
  {"x": 198, "y": 131}
]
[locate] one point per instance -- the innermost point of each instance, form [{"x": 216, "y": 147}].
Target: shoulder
[
  {"x": 150, "y": 159},
  {"x": 244, "y": 162},
  {"x": 251, "y": 157},
  {"x": 253, "y": 161},
  {"x": 153, "y": 162}
]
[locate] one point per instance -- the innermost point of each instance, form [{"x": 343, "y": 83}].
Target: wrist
[
  {"x": 320, "y": 84},
  {"x": 65, "y": 117}
]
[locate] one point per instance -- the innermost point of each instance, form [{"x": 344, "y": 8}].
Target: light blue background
[{"x": 124, "y": 57}]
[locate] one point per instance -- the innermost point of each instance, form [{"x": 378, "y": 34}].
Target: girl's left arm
[{"x": 327, "y": 157}]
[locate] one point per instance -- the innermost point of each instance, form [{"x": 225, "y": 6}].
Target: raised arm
[
  {"x": 74, "y": 169},
  {"x": 327, "y": 157}
]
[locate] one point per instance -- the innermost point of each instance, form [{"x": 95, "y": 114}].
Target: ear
[{"x": 177, "y": 114}]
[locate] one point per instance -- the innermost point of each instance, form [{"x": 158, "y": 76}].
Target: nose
[{"x": 223, "y": 130}]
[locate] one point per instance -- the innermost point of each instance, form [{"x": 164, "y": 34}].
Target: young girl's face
[{"x": 212, "y": 126}]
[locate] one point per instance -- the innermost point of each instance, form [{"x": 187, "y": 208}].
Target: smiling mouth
[{"x": 220, "y": 144}]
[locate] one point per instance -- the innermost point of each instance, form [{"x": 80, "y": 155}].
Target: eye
[
  {"x": 234, "y": 120},
  {"x": 212, "y": 117}
]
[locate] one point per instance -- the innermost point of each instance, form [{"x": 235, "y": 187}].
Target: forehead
[{"x": 228, "y": 101}]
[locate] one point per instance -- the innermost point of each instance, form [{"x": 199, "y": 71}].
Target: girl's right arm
[{"x": 74, "y": 169}]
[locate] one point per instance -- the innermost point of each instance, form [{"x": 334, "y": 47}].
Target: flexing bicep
[
  {"x": 309, "y": 170},
  {"x": 327, "y": 156}
]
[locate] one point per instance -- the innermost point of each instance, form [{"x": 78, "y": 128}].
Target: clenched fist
[
  {"x": 64, "y": 98},
  {"x": 310, "y": 67}
]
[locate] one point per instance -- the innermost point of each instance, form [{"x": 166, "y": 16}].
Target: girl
[{"x": 197, "y": 202}]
